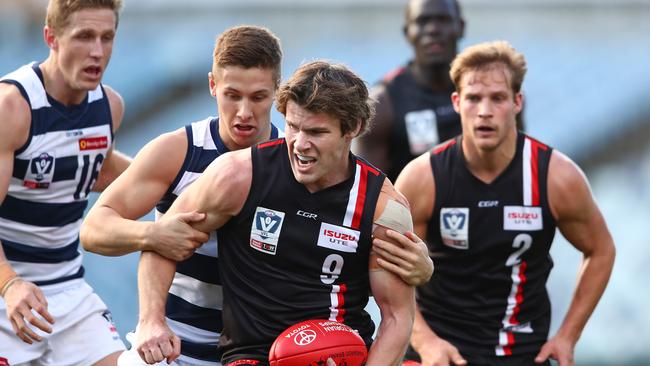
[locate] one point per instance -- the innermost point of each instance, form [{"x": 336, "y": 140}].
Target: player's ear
[
  {"x": 212, "y": 84},
  {"x": 455, "y": 100},
  {"x": 50, "y": 39}
]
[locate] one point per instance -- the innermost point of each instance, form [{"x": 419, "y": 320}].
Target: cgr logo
[
  {"x": 488, "y": 203},
  {"x": 308, "y": 215}
]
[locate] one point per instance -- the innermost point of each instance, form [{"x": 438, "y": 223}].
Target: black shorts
[{"x": 485, "y": 360}]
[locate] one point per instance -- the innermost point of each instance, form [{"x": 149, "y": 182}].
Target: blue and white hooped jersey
[
  {"x": 195, "y": 297},
  {"x": 52, "y": 176}
]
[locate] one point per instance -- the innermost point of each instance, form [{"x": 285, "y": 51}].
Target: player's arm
[
  {"x": 115, "y": 162},
  {"x": 395, "y": 299},
  {"x": 582, "y": 224},
  {"x": 409, "y": 259},
  {"x": 111, "y": 226},
  {"x": 220, "y": 193},
  {"x": 417, "y": 184},
  {"x": 374, "y": 145},
  {"x": 21, "y": 297}
]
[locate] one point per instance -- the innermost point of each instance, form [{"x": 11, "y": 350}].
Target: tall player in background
[
  {"x": 295, "y": 220},
  {"x": 56, "y": 140},
  {"x": 414, "y": 111},
  {"x": 488, "y": 203},
  {"x": 244, "y": 78}
]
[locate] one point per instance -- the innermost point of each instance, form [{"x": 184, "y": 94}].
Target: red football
[{"x": 311, "y": 342}]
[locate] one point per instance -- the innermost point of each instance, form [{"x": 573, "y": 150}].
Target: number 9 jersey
[
  {"x": 490, "y": 246},
  {"x": 53, "y": 174}
]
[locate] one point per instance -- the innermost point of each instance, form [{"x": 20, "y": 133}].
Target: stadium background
[{"x": 585, "y": 95}]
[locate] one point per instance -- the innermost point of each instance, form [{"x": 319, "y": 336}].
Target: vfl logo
[
  {"x": 304, "y": 337},
  {"x": 421, "y": 130},
  {"x": 265, "y": 230},
  {"x": 41, "y": 170},
  {"x": 454, "y": 227}
]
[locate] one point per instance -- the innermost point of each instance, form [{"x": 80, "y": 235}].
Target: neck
[
  {"x": 56, "y": 86},
  {"x": 435, "y": 77},
  {"x": 487, "y": 165}
]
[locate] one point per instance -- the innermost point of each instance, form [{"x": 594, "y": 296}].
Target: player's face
[
  {"x": 487, "y": 107},
  {"x": 244, "y": 99},
  {"x": 318, "y": 152},
  {"x": 433, "y": 27},
  {"x": 83, "y": 48}
]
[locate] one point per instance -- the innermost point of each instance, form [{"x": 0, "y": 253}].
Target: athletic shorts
[
  {"x": 83, "y": 332},
  {"x": 132, "y": 358}
]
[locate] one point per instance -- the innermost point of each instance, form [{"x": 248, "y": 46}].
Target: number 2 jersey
[
  {"x": 291, "y": 255},
  {"x": 53, "y": 173},
  {"x": 490, "y": 246}
]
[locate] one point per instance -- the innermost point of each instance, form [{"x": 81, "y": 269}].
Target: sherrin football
[{"x": 311, "y": 342}]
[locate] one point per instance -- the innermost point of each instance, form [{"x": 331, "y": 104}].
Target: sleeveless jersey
[
  {"x": 422, "y": 118},
  {"x": 194, "y": 303},
  {"x": 293, "y": 255},
  {"x": 490, "y": 244},
  {"x": 53, "y": 174}
]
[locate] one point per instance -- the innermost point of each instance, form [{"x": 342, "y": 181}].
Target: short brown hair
[
  {"x": 333, "y": 89},
  {"x": 248, "y": 46},
  {"x": 59, "y": 11},
  {"x": 486, "y": 55}
]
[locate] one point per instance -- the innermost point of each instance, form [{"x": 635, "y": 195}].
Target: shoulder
[
  {"x": 568, "y": 188},
  {"x": 416, "y": 174},
  {"x": 16, "y": 114},
  {"x": 226, "y": 181},
  {"x": 162, "y": 156},
  {"x": 116, "y": 103}
]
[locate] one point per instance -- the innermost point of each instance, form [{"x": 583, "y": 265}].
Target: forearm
[
  {"x": 105, "y": 232},
  {"x": 422, "y": 335},
  {"x": 392, "y": 338},
  {"x": 155, "y": 276},
  {"x": 592, "y": 280},
  {"x": 111, "y": 169}
]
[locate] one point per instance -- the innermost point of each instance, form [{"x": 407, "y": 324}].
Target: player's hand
[
  {"x": 441, "y": 353},
  {"x": 558, "y": 348},
  {"x": 174, "y": 238},
  {"x": 330, "y": 362},
  {"x": 22, "y": 299},
  {"x": 155, "y": 342},
  {"x": 409, "y": 259}
]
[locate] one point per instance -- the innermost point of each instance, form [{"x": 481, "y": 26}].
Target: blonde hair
[
  {"x": 486, "y": 55},
  {"x": 59, "y": 11}
]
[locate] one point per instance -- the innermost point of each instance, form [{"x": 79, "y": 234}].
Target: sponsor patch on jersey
[
  {"x": 454, "y": 227},
  {"x": 265, "y": 230},
  {"x": 421, "y": 130},
  {"x": 522, "y": 218},
  {"x": 338, "y": 238},
  {"x": 40, "y": 172},
  {"x": 93, "y": 143}
]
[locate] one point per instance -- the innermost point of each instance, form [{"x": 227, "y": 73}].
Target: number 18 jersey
[{"x": 490, "y": 246}]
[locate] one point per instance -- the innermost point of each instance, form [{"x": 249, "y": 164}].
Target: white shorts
[
  {"x": 83, "y": 332},
  {"x": 132, "y": 358}
]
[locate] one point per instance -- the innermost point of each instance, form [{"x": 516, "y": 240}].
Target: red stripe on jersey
[
  {"x": 519, "y": 297},
  {"x": 534, "y": 172},
  {"x": 438, "y": 149},
  {"x": 270, "y": 143},
  {"x": 341, "y": 299},
  {"x": 361, "y": 196},
  {"x": 372, "y": 170}
]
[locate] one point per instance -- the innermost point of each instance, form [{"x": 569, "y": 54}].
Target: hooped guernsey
[
  {"x": 293, "y": 255},
  {"x": 490, "y": 244},
  {"x": 53, "y": 173}
]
